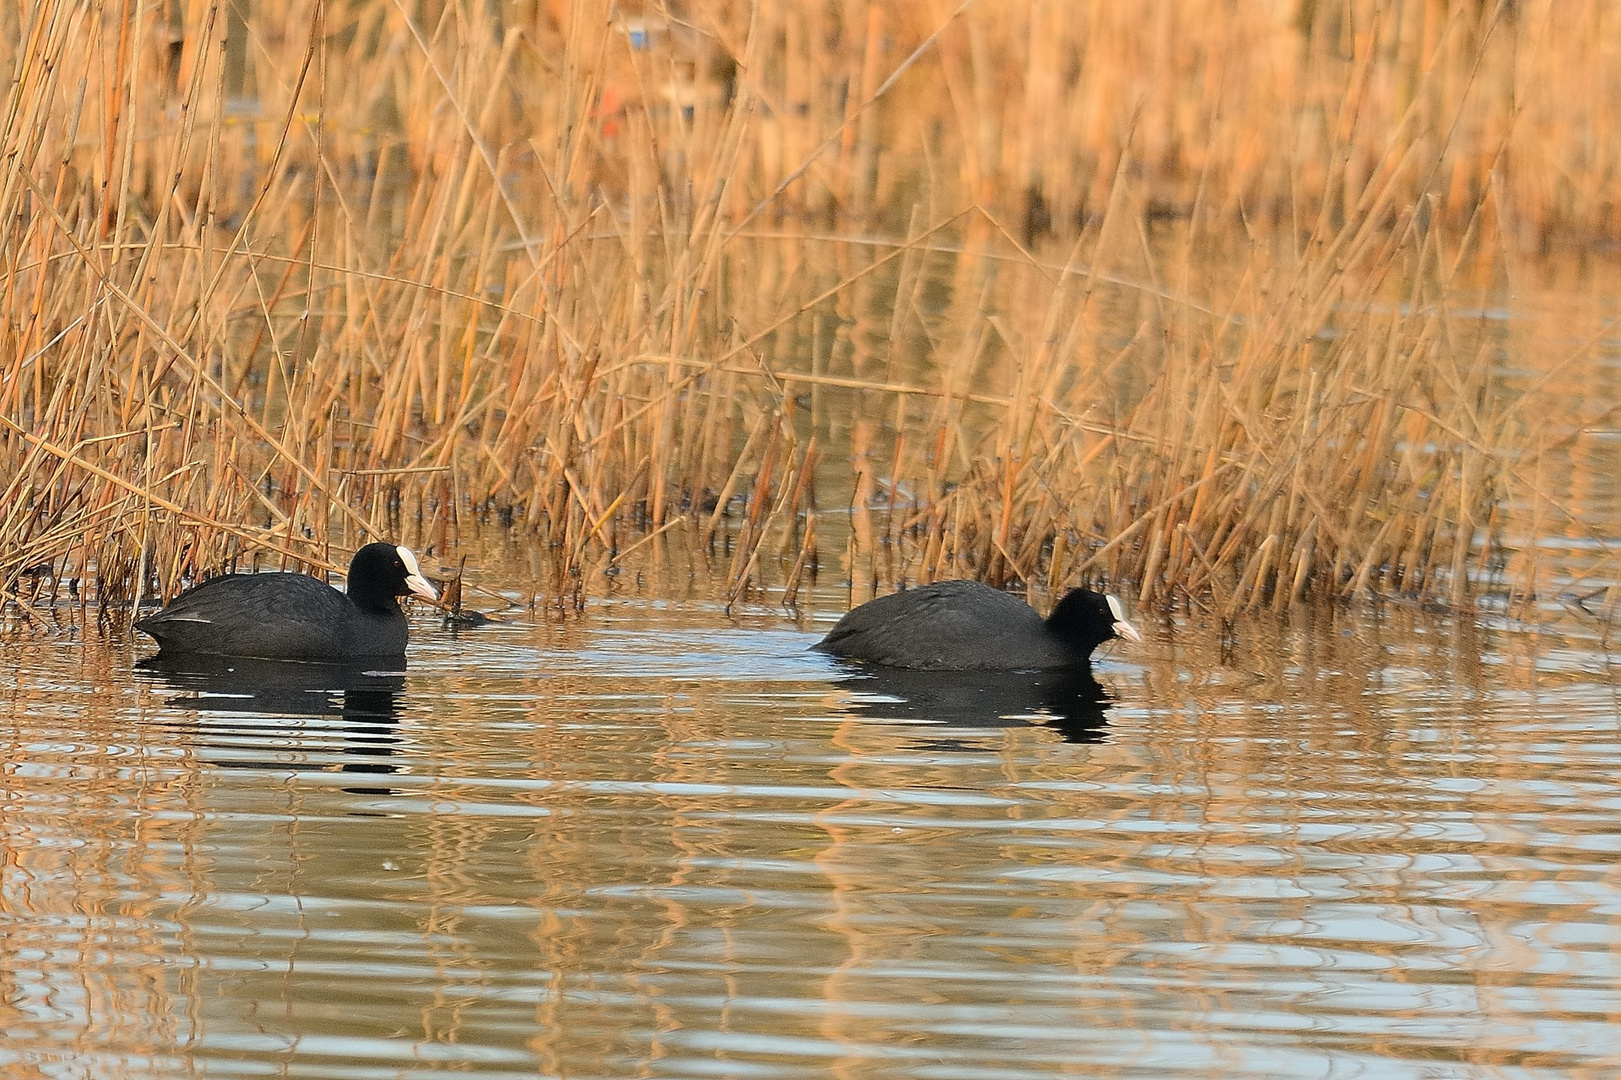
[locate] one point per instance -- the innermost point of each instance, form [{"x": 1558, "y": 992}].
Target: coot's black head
[
  {"x": 380, "y": 572},
  {"x": 1084, "y": 619}
]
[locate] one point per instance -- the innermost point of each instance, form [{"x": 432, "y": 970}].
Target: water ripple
[{"x": 692, "y": 849}]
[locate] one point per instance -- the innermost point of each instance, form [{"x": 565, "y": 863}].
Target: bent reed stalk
[{"x": 1054, "y": 297}]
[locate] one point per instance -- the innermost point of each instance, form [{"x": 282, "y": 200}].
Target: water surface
[{"x": 657, "y": 839}]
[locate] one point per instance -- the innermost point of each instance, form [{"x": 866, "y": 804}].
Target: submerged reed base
[{"x": 269, "y": 290}]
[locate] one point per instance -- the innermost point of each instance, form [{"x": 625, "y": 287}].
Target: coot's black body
[
  {"x": 293, "y": 616},
  {"x": 969, "y": 626}
]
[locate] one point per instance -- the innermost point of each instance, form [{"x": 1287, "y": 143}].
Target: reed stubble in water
[{"x": 718, "y": 275}]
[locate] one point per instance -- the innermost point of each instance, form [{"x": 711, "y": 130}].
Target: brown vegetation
[{"x": 1164, "y": 293}]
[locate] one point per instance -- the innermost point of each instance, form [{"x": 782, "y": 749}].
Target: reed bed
[{"x": 1036, "y": 292}]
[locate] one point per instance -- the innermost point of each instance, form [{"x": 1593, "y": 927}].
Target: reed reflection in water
[{"x": 655, "y": 841}]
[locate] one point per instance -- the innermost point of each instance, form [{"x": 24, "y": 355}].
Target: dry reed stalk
[{"x": 520, "y": 265}]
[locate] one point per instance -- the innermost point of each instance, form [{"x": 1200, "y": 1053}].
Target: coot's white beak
[
  {"x": 1122, "y": 628},
  {"x": 419, "y": 585}
]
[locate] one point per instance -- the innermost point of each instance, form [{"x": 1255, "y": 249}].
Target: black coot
[
  {"x": 969, "y": 626},
  {"x": 294, "y": 616}
]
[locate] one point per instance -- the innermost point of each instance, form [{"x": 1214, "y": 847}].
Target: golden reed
[{"x": 1162, "y": 293}]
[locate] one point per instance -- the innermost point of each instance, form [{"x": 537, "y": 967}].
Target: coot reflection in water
[
  {"x": 363, "y": 699},
  {"x": 1068, "y": 700}
]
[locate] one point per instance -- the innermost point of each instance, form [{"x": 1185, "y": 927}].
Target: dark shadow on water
[
  {"x": 1070, "y": 702},
  {"x": 363, "y": 699}
]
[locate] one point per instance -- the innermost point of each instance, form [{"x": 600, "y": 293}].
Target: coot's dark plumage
[
  {"x": 969, "y": 626},
  {"x": 294, "y": 616}
]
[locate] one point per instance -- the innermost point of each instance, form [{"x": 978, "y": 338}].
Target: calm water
[{"x": 658, "y": 840}]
